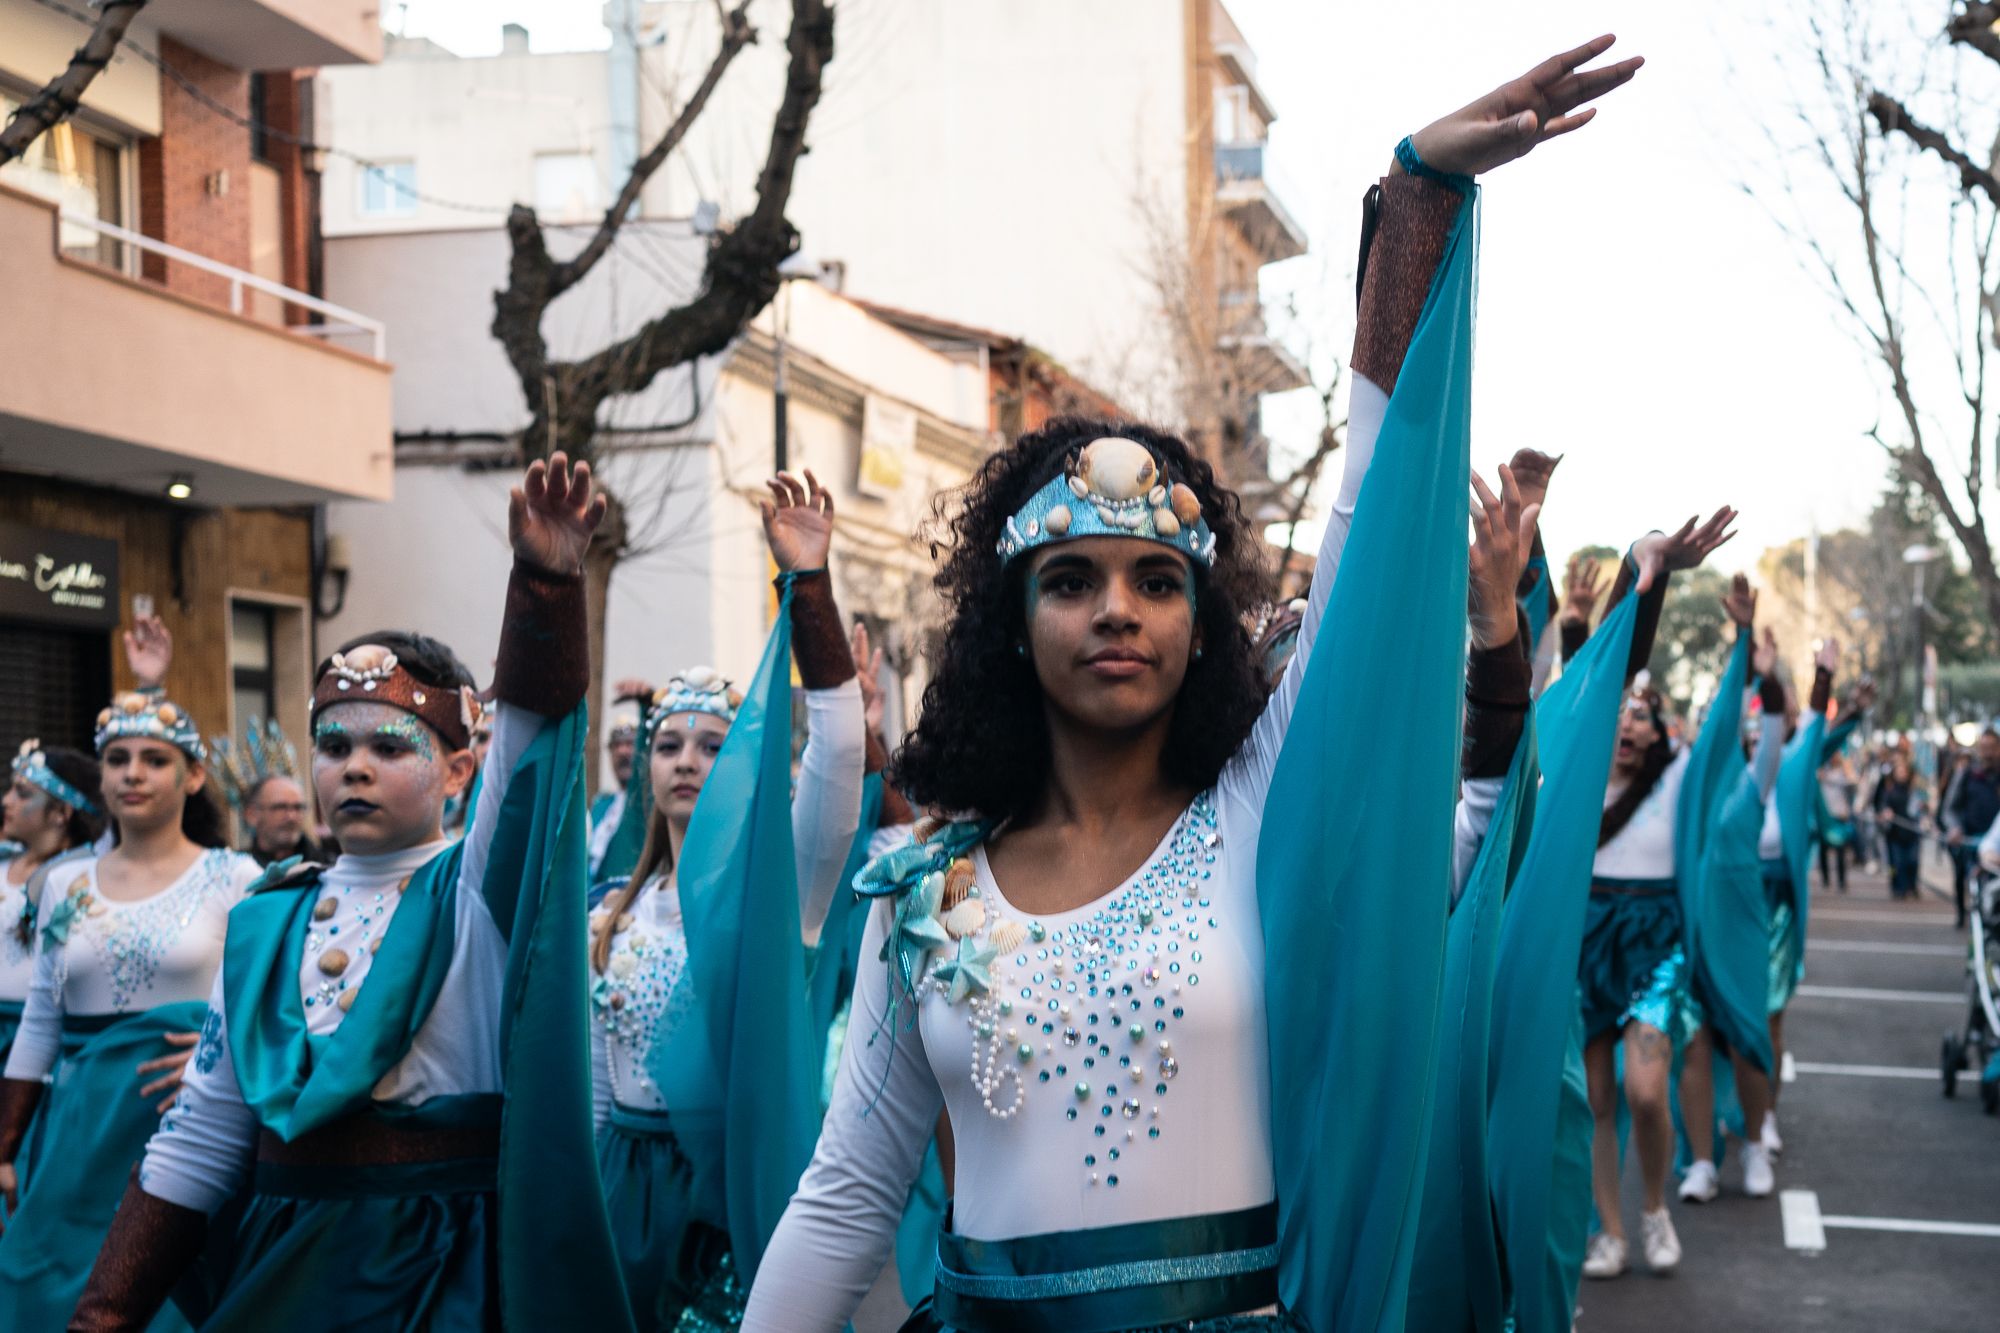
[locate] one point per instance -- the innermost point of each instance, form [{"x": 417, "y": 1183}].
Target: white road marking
[
  {"x": 1883, "y": 946},
  {"x": 1871, "y": 993},
  {"x": 1859, "y": 1071},
  {"x": 1788, "y": 1068},
  {"x": 1911, "y": 918},
  {"x": 1987, "y": 1230},
  {"x": 1800, "y": 1211}
]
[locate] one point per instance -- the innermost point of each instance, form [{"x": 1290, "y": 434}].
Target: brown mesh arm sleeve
[
  {"x": 819, "y": 640},
  {"x": 1822, "y": 691},
  {"x": 1408, "y": 223},
  {"x": 150, "y": 1245},
  {"x": 18, "y": 1099},
  {"x": 1497, "y": 685},
  {"x": 544, "y": 663},
  {"x": 1646, "y": 626}
]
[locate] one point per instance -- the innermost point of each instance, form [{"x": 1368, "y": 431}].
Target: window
[
  {"x": 252, "y": 663},
  {"x": 1232, "y": 114},
  {"x": 82, "y": 171},
  {"x": 565, "y": 187},
  {"x": 260, "y": 117},
  {"x": 388, "y": 190}
]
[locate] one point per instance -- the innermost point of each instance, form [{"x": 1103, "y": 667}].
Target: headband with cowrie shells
[{"x": 1113, "y": 487}]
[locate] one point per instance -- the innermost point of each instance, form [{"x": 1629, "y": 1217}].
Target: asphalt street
[{"x": 1887, "y": 1215}]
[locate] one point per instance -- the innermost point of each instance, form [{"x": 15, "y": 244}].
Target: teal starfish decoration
[
  {"x": 918, "y": 931},
  {"x": 971, "y": 970}
]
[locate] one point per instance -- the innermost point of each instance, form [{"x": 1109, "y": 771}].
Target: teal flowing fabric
[
  {"x": 1570, "y": 1207},
  {"x": 1705, "y": 786},
  {"x": 1797, "y": 795},
  {"x": 1459, "y": 1285},
  {"x": 1536, "y": 1019},
  {"x": 94, "y": 1129},
  {"x": 1354, "y": 871},
  {"x": 742, "y": 1068},
  {"x": 835, "y": 961},
  {"x": 1534, "y": 602},
  {"x": 629, "y": 839}
]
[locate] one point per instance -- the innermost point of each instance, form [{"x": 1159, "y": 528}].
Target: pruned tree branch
[
  {"x": 1977, "y": 26},
  {"x": 1895, "y": 118},
  {"x": 59, "y": 97}
]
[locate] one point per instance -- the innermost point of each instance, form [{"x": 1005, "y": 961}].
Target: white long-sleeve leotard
[
  {"x": 638, "y": 1001},
  {"x": 1105, "y": 1065},
  {"x": 124, "y": 957}
]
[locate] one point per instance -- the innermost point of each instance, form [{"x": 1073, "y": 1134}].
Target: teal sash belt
[
  {"x": 641, "y": 1122},
  {"x": 1633, "y": 888},
  {"x": 89, "y": 1025},
  {"x": 1133, "y": 1276},
  {"x": 1777, "y": 868},
  {"x": 295, "y": 1180}
]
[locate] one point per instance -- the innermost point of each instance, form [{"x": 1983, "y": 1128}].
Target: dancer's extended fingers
[
  {"x": 536, "y": 481},
  {"x": 580, "y": 482},
  {"x": 557, "y": 494},
  {"x": 1530, "y": 515},
  {"x": 1591, "y": 84},
  {"x": 1510, "y": 490},
  {"x": 1561, "y": 63},
  {"x": 1562, "y": 125}
]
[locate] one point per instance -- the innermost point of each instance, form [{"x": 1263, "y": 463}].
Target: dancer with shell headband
[
  {"x": 1173, "y": 967},
  {"x": 128, "y": 944},
  {"x": 387, "y": 1119},
  {"x": 666, "y": 1186},
  {"x": 51, "y": 813}
]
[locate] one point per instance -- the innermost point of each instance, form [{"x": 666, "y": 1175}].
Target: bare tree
[
  {"x": 1912, "y": 266},
  {"x": 59, "y": 98},
  {"x": 566, "y": 398}
]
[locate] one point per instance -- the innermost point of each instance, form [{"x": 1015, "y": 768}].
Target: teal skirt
[
  {"x": 391, "y": 1247},
  {"x": 1182, "y": 1273},
  {"x": 1632, "y": 968},
  {"x": 93, "y": 1130},
  {"x": 666, "y": 1221},
  {"x": 1787, "y": 958}
]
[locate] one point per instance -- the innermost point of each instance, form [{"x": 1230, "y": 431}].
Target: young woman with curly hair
[{"x": 1075, "y": 967}]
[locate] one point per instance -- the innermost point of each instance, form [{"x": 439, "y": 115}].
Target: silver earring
[
  {"x": 1020, "y": 650},
  {"x": 1197, "y": 652}
]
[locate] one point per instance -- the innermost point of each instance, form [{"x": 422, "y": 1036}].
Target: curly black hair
[{"x": 981, "y": 747}]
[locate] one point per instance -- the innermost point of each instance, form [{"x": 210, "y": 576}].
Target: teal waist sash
[
  {"x": 300, "y": 1180},
  {"x": 642, "y": 1122},
  {"x": 1776, "y": 867},
  {"x": 1137, "y": 1275},
  {"x": 1633, "y": 888}
]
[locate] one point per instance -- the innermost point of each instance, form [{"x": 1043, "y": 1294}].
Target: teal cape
[
  {"x": 1540, "y": 1124},
  {"x": 94, "y": 1130},
  {"x": 1354, "y": 865},
  {"x": 1802, "y": 817},
  {"x": 1459, "y": 1285},
  {"x": 740, "y": 1075},
  {"x": 554, "y": 1240}
]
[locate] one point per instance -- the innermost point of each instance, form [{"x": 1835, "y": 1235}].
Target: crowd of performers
[{"x": 1191, "y": 963}]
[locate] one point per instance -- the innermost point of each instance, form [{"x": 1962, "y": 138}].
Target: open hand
[
  {"x": 1741, "y": 602},
  {"x": 149, "y": 651},
  {"x": 1512, "y": 119},
  {"x": 1580, "y": 590},
  {"x": 171, "y": 1068},
  {"x": 631, "y": 687},
  {"x": 1764, "y": 655},
  {"x": 1827, "y": 659},
  {"x": 1503, "y": 532},
  {"x": 798, "y": 521},
  {"x": 1683, "y": 548},
  {"x": 868, "y": 670},
  {"x": 1862, "y": 697},
  {"x": 1532, "y": 470},
  {"x": 552, "y": 513}
]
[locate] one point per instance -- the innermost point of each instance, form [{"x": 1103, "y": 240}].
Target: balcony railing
[
  {"x": 342, "y": 321},
  {"x": 1239, "y": 162}
]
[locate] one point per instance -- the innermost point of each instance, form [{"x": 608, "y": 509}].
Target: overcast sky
[{"x": 1638, "y": 312}]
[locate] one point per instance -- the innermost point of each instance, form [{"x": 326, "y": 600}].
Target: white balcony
[
  {"x": 272, "y": 34},
  {"x": 1244, "y": 193},
  {"x": 124, "y": 383}
]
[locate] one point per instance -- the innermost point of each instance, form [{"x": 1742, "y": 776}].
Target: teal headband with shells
[
  {"x": 149, "y": 715},
  {"x": 1112, "y": 488},
  {"x": 698, "y": 689}
]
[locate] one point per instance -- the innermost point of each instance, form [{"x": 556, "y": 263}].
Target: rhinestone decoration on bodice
[
  {"x": 133, "y": 938},
  {"x": 638, "y": 999},
  {"x": 1083, "y": 1015}
]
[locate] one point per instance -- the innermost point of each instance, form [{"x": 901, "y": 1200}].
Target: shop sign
[
  {"x": 888, "y": 447},
  {"x": 58, "y": 578}
]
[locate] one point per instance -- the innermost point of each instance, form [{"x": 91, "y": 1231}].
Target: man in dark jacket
[{"x": 1969, "y": 810}]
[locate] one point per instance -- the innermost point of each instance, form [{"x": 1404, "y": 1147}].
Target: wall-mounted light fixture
[{"x": 180, "y": 486}]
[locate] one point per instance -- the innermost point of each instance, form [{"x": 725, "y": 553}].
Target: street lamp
[
  {"x": 1916, "y": 557},
  {"x": 795, "y": 266}
]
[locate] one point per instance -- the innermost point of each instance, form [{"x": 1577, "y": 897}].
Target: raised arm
[
  {"x": 826, "y": 811},
  {"x": 543, "y": 668},
  {"x": 1770, "y": 751}
]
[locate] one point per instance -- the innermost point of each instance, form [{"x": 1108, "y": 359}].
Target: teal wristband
[{"x": 1408, "y": 158}]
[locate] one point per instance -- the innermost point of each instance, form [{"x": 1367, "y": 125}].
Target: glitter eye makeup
[{"x": 412, "y": 733}]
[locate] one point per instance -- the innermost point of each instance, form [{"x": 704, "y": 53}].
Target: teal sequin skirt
[
  {"x": 1195, "y": 1274},
  {"x": 1632, "y": 968},
  {"x": 672, "y": 1247},
  {"x": 1788, "y": 964},
  {"x": 402, "y": 1247},
  {"x": 93, "y": 1126}
]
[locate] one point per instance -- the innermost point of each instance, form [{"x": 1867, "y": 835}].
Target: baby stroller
[{"x": 1977, "y": 1047}]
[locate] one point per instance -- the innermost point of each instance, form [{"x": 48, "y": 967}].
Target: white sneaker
[
  {"x": 1758, "y": 1178},
  {"x": 1699, "y": 1184},
  {"x": 1605, "y": 1257},
  {"x": 1773, "y": 1144},
  {"x": 1663, "y": 1247}
]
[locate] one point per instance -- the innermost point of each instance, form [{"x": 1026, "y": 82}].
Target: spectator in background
[
  {"x": 274, "y": 810},
  {"x": 1899, "y": 809},
  {"x": 1968, "y": 810},
  {"x": 1837, "y": 791}
]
